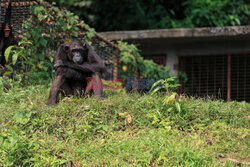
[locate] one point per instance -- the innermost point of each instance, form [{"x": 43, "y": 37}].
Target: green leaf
[
  {"x": 8, "y": 73},
  {"x": 7, "y": 52},
  {"x": 23, "y": 42},
  {"x": 21, "y": 118},
  {"x": 156, "y": 83},
  {"x": 178, "y": 107},
  {"x": 69, "y": 27},
  {"x": 71, "y": 21},
  {"x": 14, "y": 58},
  {"x": 51, "y": 59},
  {"x": 155, "y": 90},
  {"x": 9, "y": 68},
  {"x": 43, "y": 42}
]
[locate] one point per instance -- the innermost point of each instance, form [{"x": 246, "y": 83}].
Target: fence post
[
  {"x": 229, "y": 78},
  {"x": 115, "y": 73},
  {"x": 136, "y": 80}
]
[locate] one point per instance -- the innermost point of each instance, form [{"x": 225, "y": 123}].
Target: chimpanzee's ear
[{"x": 66, "y": 48}]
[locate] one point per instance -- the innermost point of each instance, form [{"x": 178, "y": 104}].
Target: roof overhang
[
  {"x": 179, "y": 33},
  {"x": 188, "y": 41}
]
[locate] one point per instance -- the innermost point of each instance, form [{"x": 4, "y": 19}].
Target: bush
[{"x": 32, "y": 59}]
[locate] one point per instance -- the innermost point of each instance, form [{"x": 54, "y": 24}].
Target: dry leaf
[
  {"x": 66, "y": 99},
  {"x": 129, "y": 119},
  {"x": 171, "y": 99},
  {"x": 40, "y": 66},
  {"x": 123, "y": 114}
]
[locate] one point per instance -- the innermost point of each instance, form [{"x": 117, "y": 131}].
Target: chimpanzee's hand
[{"x": 58, "y": 63}]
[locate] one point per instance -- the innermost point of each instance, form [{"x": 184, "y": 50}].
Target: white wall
[{"x": 171, "y": 61}]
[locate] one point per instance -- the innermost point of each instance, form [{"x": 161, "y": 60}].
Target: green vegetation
[
  {"x": 31, "y": 61},
  {"x": 110, "y": 15},
  {"x": 133, "y": 61},
  {"x": 124, "y": 130},
  {"x": 157, "y": 129}
]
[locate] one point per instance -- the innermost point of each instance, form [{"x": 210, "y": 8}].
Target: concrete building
[{"x": 216, "y": 60}]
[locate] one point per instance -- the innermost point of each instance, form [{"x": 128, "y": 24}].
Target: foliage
[
  {"x": 157, "y": 14},
  {"x": 171, "y": 102},
  {"x": 43, "y": 32},
  {"x": 120, "y": 131},
  {"x": 11, "y": 54},
  {"x": 132, "y": 59},
  {"x": 15, "y": 53},
  {"x": 167, "y": 85},
  {"x": 79, "y": 7},
  {"x": 219, "y": 13}
]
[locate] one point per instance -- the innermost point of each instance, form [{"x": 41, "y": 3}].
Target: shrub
[{"x": 41, "y": 35}]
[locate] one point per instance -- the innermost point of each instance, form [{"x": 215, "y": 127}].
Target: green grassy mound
[{"x": 124, "y": 130}]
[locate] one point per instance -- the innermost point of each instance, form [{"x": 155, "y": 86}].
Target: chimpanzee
[
  {"x": 78, "y": 69},
  {"x": 6, "y": 35}
]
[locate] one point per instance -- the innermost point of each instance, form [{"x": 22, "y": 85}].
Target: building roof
[{"x": 178, "y": 33}]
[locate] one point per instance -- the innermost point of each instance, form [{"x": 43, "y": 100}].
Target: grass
[{"x": 124, "y": 130}]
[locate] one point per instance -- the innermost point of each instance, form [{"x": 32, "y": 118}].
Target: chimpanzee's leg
[
  {"x": 66, "y": 82},
  {"x": 79, "y": 88},
  {"x": 95, "y": 85},
  {"x": 55, "y": 89},
  {"x": 66, "y": 89},
  {"x": 77, "y": 81}
]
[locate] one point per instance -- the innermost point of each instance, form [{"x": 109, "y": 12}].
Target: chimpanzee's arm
[
  {"x": 82, "y": 67},
  {"x": 86, "y": 67},
  {"x": 94, "y": 64}
]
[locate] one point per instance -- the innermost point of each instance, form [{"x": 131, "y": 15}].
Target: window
[
  {"x": 158, "y": 59},
  {"x": 208, "y": 76}
]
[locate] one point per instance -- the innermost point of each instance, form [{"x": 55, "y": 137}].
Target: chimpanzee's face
[
  {"x": 77, "y": 55},
  {"x": 77, "y": 52}
]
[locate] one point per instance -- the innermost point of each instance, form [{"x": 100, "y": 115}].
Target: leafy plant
[
  {"x": 15, "y": 52},
  {"x": 171, "y": 110},
  {"x": 48, "y": 27},
  {"x": 167, "y": 85},
  {"x": 133, "y": 61}
]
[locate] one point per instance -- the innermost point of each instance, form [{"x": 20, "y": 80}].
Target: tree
[
  {"x": 78, "y": 7},
  {"x": 110, "y": 15},
  {"x": 220, "y": 13}
]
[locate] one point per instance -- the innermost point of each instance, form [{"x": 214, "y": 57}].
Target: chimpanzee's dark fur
[{"x": 72, "y": 72}]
